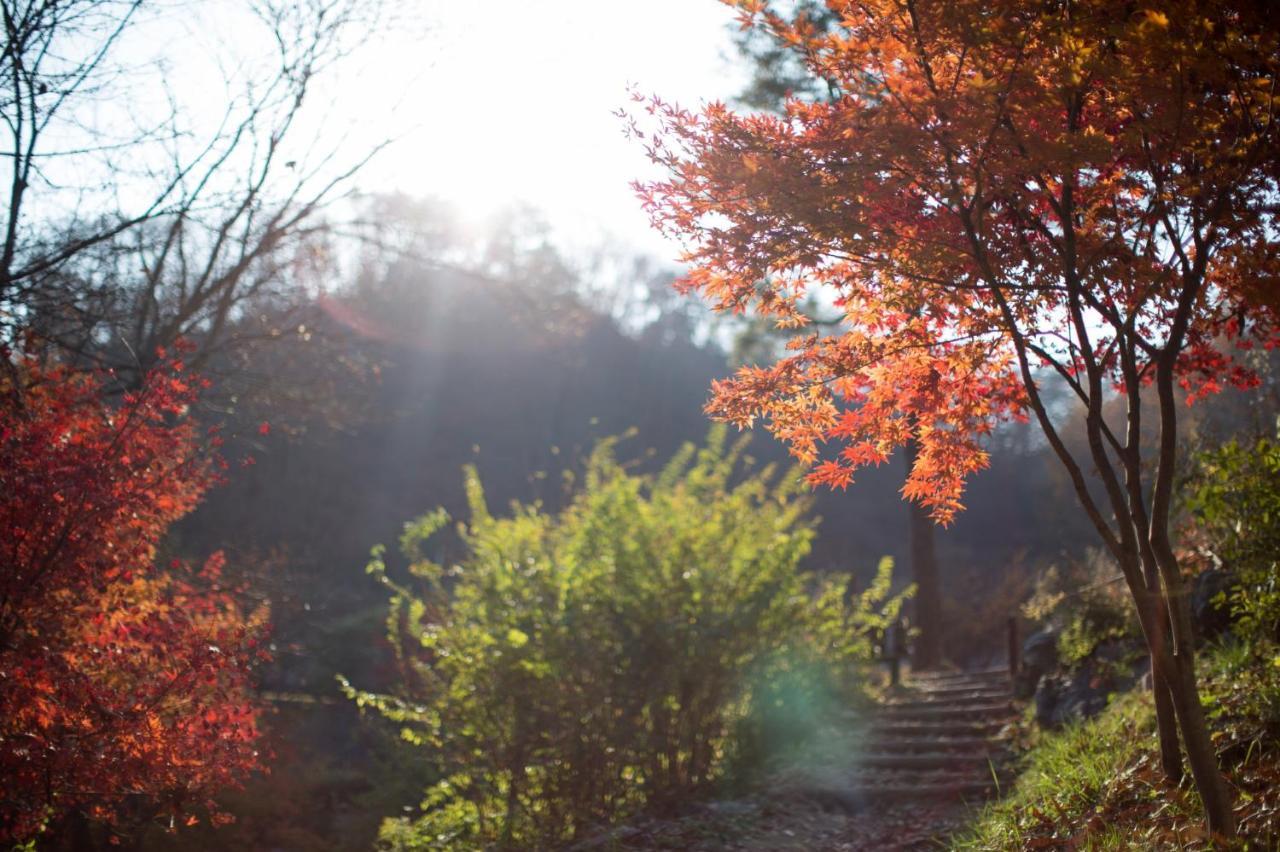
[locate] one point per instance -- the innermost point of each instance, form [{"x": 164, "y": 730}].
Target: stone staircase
[
  {"x": 903, "y": 780},
  {"x": 937, "y": 742},
  {"x": 938, "y": 739}
]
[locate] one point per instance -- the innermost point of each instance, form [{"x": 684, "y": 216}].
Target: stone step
[
  {"x": 937, "y": 739},
  {"x": 952, "y": 678},
  {"x": 960, "y": 693},
  {"x": 946, "y": 712},
  {"x": 998, "y": 703},
  {"x": 956, "y": 745},
  {"x": 992, "y": 700},
  {"x": 960, "y": 687},
  {"x": 930, "y": 760},
  {"x": 949, "y": 728},
  {"x": 864, "y": 794}
]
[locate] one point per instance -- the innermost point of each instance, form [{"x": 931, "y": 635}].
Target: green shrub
[
  {"x": 1235, "y": 502},
  {"x": 578, "y": 667},
  {"x": 1087, "y": 602}
]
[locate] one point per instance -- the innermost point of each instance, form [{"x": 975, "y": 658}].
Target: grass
[{"x": 1098, "y": 785}]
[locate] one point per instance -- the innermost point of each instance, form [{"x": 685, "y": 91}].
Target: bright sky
[
  {"x": 514, "y": 100},
  {"x": 491, "y": 102}
]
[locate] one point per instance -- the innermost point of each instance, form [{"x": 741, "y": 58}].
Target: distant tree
[
  {"x": 123, "y": 233},
  {"x": 127, "y": 683},
  {"x": 1000, "y": 189},
  {"x": 778, "y": 70}
]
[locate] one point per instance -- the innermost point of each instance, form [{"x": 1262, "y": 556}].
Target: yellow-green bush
[
  {"x": 1088, "y": 604},
  {"x": 1235, "y": 504},
  {"x": 578, "y": 667}
]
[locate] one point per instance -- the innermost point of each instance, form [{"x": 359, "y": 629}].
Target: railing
[
  {"x": 1015, "y": 649},
  {"x": 892, "y": 646}
]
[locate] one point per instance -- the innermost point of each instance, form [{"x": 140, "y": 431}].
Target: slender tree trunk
[
  {"x": 1166, "y": 727},
  {"x": 1162, "y": 697},
  {"x": 1178, "y": 657},
  {"x": 1156, "y": 629},
  {"x": 1201, "y": 754},
  {"x": 1154, "y": 620},
  {"x": 927, "y": 606},
  {"x": 1180, "y": 665},
  {"x": 1176, "y": 673}
]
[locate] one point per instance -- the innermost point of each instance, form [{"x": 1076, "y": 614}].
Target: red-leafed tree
[
  {"x": 126, "y": 682},
  {"x": 998, "y": 192}
]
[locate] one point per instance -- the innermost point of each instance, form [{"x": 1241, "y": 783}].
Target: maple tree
[
  {"x": 778, "y": 73},
  {"x": 997, "y": 195},
  {"x": 127, "y": 683}
]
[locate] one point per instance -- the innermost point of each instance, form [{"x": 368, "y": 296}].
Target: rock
[
  {"x": 1063, "y": 699},
  {"x": 1039, "y": 657},
  {"x": 1040, "y": 650},
  {"x": 1114, "y": 666},
  {"x": 1046, "y": 699},
  {"x": 1210, "y": 611}
]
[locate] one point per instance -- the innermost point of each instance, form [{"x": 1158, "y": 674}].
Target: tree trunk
[
  {"x": 1180, "y": 671},
  {"x": 1166, "y": 727},
  {"x": 1157, "y": 634},
  {"x": 1201, "y": 755},
  {"x": 1180, "y": 665},
  {"x": 927, "y": 606}
]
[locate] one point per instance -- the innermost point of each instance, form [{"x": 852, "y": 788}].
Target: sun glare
[{"x": 513, "y": 102}]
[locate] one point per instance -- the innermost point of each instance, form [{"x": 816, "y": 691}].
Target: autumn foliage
[
  {"x": 987, "y": 178},
  {"x": 997, "y": 195},
  {"x": 126, "y": 677}
]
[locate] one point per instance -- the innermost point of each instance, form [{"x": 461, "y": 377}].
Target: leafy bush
[
  {"x": 578, "y": 667},
  {"x": 1236, "y": 505},
  {"x": 1087, "y": 602}
]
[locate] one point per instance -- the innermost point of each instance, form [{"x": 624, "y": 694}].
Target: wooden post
[
  {"x": 894, "y": 647},
  {"x": 1015, "y": 649}
]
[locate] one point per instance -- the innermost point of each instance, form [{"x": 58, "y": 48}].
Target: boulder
[
  {"x": 1047, "y": 693},
  {"x": 1063, "y": 699},
  {"x": 1210, "y": 609},
  {"x": 1114, "y": 666},
  {"x": 1039, "y": 657}
]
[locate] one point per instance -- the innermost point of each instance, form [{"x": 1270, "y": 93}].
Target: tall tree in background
[
  {"x": 779, "y": 74},
  {"x": 1003, "y": 189}
]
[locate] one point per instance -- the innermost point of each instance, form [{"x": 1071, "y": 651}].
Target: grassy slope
[{"x": 1098, "y": 785}]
